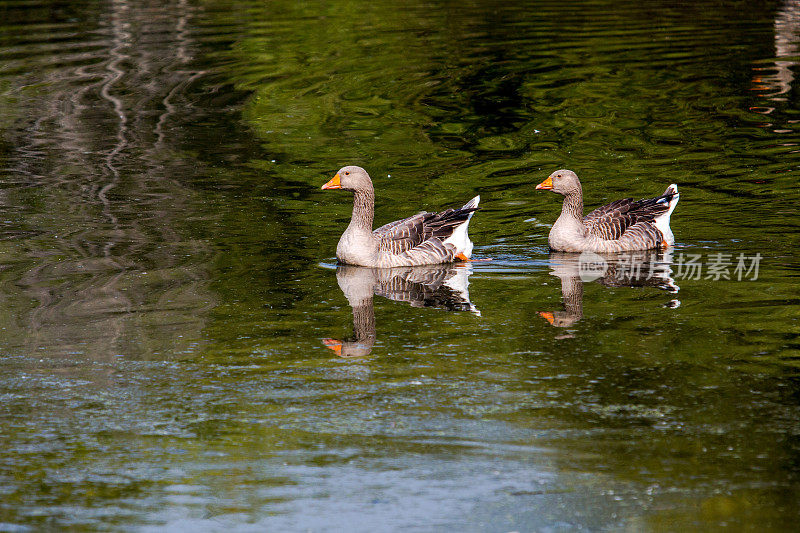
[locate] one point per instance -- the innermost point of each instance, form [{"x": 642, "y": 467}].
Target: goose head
[
  {"x": 561, "y": 181},
  {"x": 350, "y": 178}
]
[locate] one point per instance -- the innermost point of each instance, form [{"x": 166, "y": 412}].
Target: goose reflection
[
  {"x": 649, "y": 268},
  {"x": 439, "y": 286}
]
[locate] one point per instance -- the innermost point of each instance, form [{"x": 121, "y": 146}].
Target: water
[{"x": 179, "y": 350}]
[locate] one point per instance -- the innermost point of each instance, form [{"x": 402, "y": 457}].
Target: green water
[{"x": 179, "y": 350}]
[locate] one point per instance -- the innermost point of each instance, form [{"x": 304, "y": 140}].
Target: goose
[
  {"x": 621, "y": 226},
  {"x": 421, "y": 239}
]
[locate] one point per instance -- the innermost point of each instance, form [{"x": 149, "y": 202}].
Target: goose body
[
  {"x": 421, "y": 239},
  {"x": 621, "y": 226}
]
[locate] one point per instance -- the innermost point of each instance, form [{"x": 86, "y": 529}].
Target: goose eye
[{"x": 347, "y": 173}]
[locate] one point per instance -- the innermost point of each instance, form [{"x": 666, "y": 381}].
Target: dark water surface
[{"x": 179, "y": 351}]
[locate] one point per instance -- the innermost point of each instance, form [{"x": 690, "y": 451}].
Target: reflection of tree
[
  {"x": 95, "y": 143},
  {"x": 631, "y": 269},
  {"x": 439, "y": 286},
  {"x": 776, "y": 85}
]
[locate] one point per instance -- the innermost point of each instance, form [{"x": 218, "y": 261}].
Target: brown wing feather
[
  {"x": 611, "y": 221},
  {"x": 406, "y": 234},
  {"x": 402, "y": 235},
  {"x": 641, "y": 236}
]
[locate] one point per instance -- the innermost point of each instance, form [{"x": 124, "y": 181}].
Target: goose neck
[
  {"x": 573, "y": 204},
  {"x": 363, "y": 209}
]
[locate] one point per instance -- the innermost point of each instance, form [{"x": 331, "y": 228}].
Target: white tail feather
[
  {"x": 459, "y": 238},
  {"x": 662, "y": 222}
]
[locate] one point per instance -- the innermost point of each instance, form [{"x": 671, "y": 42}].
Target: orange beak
[
  {"x": 333, "y": 344},
  {"x": 548, "y": 316},
  {"x": 335, "y": 183},
  {"x": 546, "y": 185}
]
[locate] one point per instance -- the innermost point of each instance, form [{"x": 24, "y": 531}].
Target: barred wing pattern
[
  {"x": 611, "y": 221},
  {"x": 402, "y": 235},
  {"x": 640, "y": 236},
  {"x": 423, "y": 235}
]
